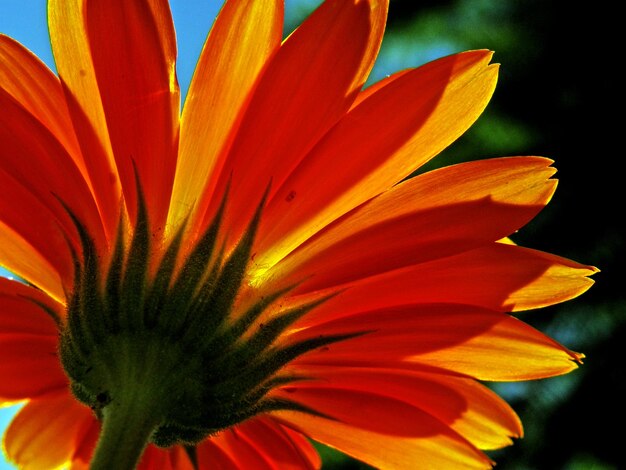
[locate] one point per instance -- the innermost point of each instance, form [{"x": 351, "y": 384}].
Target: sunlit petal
[
  {"x": 72, "y": 55},
  {"x": 135, "y": 74},
  {"x": 22, "y": 259},
  {"x": 305, "y": 89},
  {"x": 465, "y": 406},
  {"x": 445, "y": 96},
  {"x": 499, "y": 277},
  {"x": 459, "y": 338},
  {"x": 244, "y": 36},
  {"x": 382, "y": 431},
  {"x": 410, "y": 223},
  {"x": 45, "y": 431}
]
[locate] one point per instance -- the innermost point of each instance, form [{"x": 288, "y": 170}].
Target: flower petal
[
  {"x": 499, "y": 277},
  {"x": 46, "y": 431},
  {"x": 86, "y": 444},
  {"x": 406, "y": 123},
  {"x": 462, "y": 339},
  {"x": 28, "y": 343},
  {"x": 277, "y": 446},
  {"x": 72, "y": 54},
  {"x": 29, "y": 366},
  {"x": 21, "y": 311},
  {"x": 39, "y": 234},
  {"x": 21, "y": 258},
  {"x": 385, "y": 432},
  {"x": 467, "y": 407},
  {"x": 155, "y": 458},
  {"x": 434, "y": 215},
  {"x": 245, "y": 34},
  {"x": 136, "y": 80},
  {"x": 34, "y": 159},
  {"x": 211, "y": 456},
  {"x": 39, "y": 91},
  {"x": 240, "y": 451},
  {"x": 306, "y": 88}
]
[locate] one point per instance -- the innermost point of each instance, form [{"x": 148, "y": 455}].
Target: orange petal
[
  {"x": 382, "y": 431},
  {"x": 277, "y": 446},
  {"x": 21, "y": 258},
  {"x": 179, "y": 459},
  {"x": 72, "y": 55},
  {"x": 44, "y": 434},
  {"x": 86, "y": 444},
  {"x": 240, "y": 451},
  {"x": 155, "y": 458},
  {"x": 28, "y": 342},
  {"x": 34, "y": 230},
  {"x": 373, "y": 88},
  {"x": 212, "y": 457},
  {"x": 378, "y": 143},
  {"x": 304, "y": 446},
  {"x": 467, "y": 407},
  {"x": 498, "y": 276},
  {"x": 243, "y": 36},
  {"x": 462, "y": 339},
  {"x": 135, "y": 74},
  {"x": 306, "y": 88},
  {"x": 434, "y": 215},
  {"x": 39, "y": 91},
  {"x": 21, "y": 313},
  {"x": 29, "y": 366},
  {"x": 34, "y": 159}
]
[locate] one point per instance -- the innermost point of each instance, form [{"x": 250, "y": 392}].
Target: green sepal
[
  {"x": 135, "y": 276},
  {"x": 160, "y": 287},
  {"x": 113, "y": 282},
  {"x": 180, "y": 299},
  {"x": 173, "y": 334}
]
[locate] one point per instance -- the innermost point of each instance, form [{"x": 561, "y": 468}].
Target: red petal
[
  {"x": 155, "y": 458},
  {"x": 277, "y": 446},
  {"x": 45, "y": 433},
  {"x": 499, "y": 277},
  {"x": 37, "y": 174},
  {"x": 136, "y": 76},
  {"x": 212, "y": 457},
  {"x": 86, "y": 445},
  {"x": 376, "y": 145},
  {"x": 307, "y": 87},
  {"x": 467, "y": 407},
  {"x": 39, "y": 91},
  {"x": 29, "y": 366},
  {"x": 240, "y": 451},
  {"x": 41, "y": 94},
  {"x": 21, "y": 311},
  {"x": 72, "y": 55},
  {"x": 243, "y": 37},
  {"x": 459, "y": 338},
  {"x": 434, "y": 215},
  {"x": 382, "y": 431}
]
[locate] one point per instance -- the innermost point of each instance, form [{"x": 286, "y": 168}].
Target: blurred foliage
[{"x": 557, "y": 87}]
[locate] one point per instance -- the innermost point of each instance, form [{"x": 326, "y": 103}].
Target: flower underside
[{"x": 172, "y": 334}]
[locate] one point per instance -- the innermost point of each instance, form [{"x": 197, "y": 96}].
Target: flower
[{"x": 230, "y": 281}]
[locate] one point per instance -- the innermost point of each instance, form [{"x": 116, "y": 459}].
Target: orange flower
[{"x": 255, "y": 270}]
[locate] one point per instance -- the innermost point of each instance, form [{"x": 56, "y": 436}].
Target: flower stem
[{"x": 126, "y": 428}]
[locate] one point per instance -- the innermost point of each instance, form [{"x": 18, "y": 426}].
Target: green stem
[{"x": 126, "y": 429}]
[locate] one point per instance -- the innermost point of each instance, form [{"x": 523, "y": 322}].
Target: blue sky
[{"x": 25, "y": 20}]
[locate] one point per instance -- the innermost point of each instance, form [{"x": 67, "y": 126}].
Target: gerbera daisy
[{"x": 212, "y": 288}]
